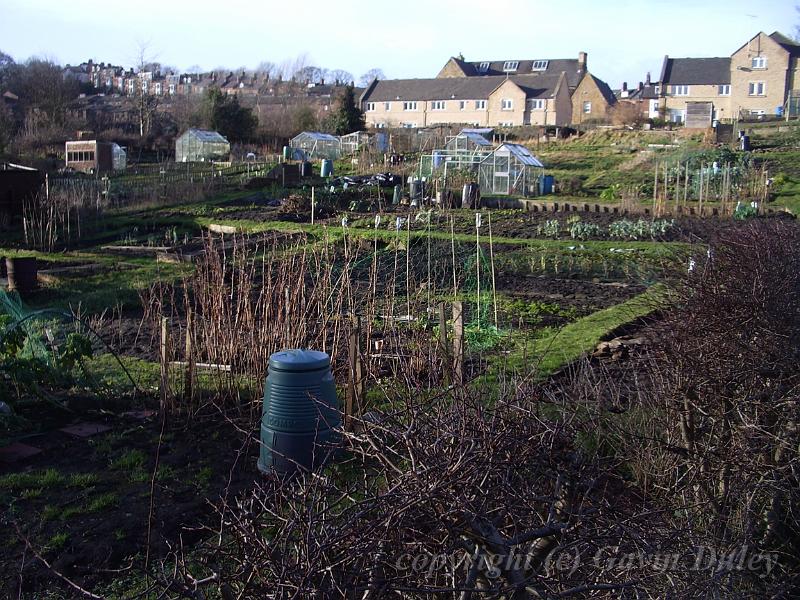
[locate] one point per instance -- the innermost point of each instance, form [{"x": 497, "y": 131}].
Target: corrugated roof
[
  {"x": 458, "y": 88},
  {"x": 522, "y": 154},
  {"x": 205, "y": 135},
  {"x": 696, "y": 71}
]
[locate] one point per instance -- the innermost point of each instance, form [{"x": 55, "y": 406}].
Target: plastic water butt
[{"x": 300, "y": 414}]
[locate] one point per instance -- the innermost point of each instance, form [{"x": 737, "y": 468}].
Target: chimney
[
  {"x": 647, "y": 79},
  {"x": 641, "y": 86},
  {"x": 581, "y": 62},
  {"x": 624, "y": 86}
]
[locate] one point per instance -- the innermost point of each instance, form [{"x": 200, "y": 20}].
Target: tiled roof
[
  {"x": 458, "y": 88},
  {"x": 696, "y": 71},
  {"x": 555, "y": 66}
]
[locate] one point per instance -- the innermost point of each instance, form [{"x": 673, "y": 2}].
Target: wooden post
[
  {"x": 443, "y": 342},
  {"x": 188, "y": 382},
  {"x": 491, "y": 259},
  {"x": 312, "y": 205},
  {"x": 458, "y": 342},
  {"x": 478, "y": 265},
  {"x": 287, "y": 320},
  {"x": 355, "y": 388},
  {"x": 164, "y": 363}
]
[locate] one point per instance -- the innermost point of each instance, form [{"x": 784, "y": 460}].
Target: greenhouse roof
[
  {"x": 319, "y": 136},
  {"x": 206, "y": 136},
  {"x": 475, "y": 138},
  {"x": 522, "y": 154}
]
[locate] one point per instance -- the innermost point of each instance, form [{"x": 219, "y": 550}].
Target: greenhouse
[
  {"x": 198, "y": 145},
  {"x": 510, "y": 170},
  {"x": 353, "y": 142},
  {"x": 463, "y": 151},
  {"x": 315, "y": 144},
  {"x": 469, "y": 140}
]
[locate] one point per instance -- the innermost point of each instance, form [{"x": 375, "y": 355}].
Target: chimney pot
[{"x": 581, "y": 61}]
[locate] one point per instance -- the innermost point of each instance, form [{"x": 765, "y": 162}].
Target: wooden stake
[
  {"x": 491, "y": 259},
  {"x": 164, "y": 364},
  {"x": 478, "y": 268},
  {"x": 453, "y": 246},
  {"x": 443, "y": 342},
  {"x": 458, "y": 342},
  {"x": 356, "y": 380},
  {"x": 312, "y": 205},
  {"x": 188, "y": 382}
]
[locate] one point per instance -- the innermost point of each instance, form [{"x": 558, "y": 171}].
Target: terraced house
[
  {"x": 492, "y": 93},
  {"x": 591, "y": 97},
  {"x": 479, "y": 101},
  {"x": 760, "y": 78}
]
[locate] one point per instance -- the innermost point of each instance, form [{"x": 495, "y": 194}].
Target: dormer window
[
  {"x": 510, "y": 66},
  {"x": 539, "y": 65},
  {"x": 484, "y": 67}
]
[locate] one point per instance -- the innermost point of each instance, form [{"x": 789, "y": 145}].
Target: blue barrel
[
  {"x": 438, "y": 158},
  {"x": 300, "y": 414},
  {"x": 327, "y": 168}
]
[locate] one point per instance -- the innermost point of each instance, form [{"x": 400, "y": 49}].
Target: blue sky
[{"x": 406, "y": 38}]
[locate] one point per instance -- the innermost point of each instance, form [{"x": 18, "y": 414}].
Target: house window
[
  {"x": 680, "y": 90},
  {"x": 657, "y": 90},
  {"x": 462, "y": 105},
  {"x": 537, "y": 104},
  {"x": 758, "y": 62},
  {"x": 370, "y": 106},
  {"x": 507, "y": 104},
  {"x": 724, "y": 90},
  {"x": 171, "y": 88},
  {"x": 587, "y": 108},
  {"x": 409, "y": 106},
  {"x": 408, "y": 125},
  {"x": 510, "y": 66},
  {"x": 437, "y": 105},
  {"x": 480, "y": 104},
  {"x": 655, "y": 107},
  {"x": 380, "y": 125},
  {"x": 387, "y": 106},
  {"x": 506, "y": 124},
  {"x": 539, "y": 65},
  {"x": 483, "y": 67},
  {"x": 756, "y": 88}
]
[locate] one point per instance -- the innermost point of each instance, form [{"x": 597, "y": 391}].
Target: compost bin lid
[{"x": 299, "y": 360}]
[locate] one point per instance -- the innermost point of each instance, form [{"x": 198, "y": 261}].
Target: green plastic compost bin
[{"x": 301, "y": 412}]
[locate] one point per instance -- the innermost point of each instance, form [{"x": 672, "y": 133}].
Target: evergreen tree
[
  {"x": 224, "y": 114},
  {"x": 348, "y": 117}
]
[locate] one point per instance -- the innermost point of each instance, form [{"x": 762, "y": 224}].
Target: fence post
[
  {"x": 188, "y": 383},
  {"x": 446, "y": 364},
  {"x": 355, "y": 388},
  {"x": 164, "y": 364},
  {"x": 458, "y": 342}
]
